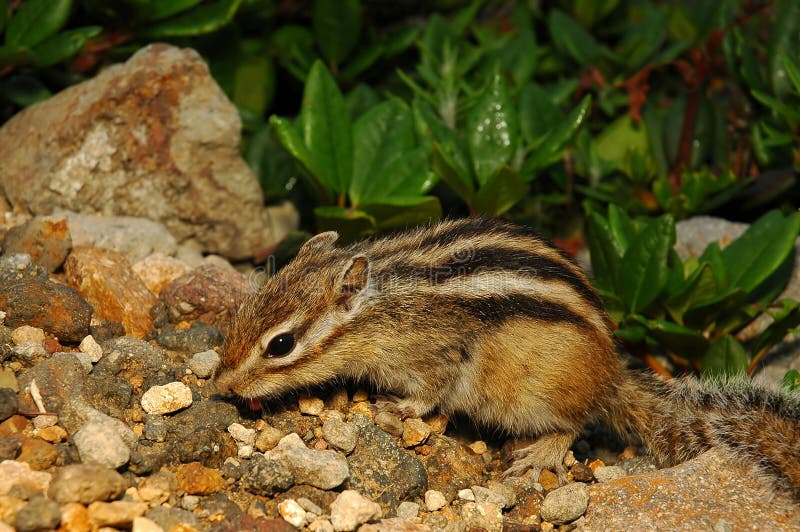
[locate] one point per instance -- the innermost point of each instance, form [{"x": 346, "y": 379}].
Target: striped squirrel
[{"x": 488, "y": 319}]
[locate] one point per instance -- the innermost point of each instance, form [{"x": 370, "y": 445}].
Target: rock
[
  {"x": 209, "y": 293},
  {"x": 33, "y": 299},
  {"x": 399, "y": 525},
  {"x": 478, "y": 447},
  {"x": 407, "y": 510},
  {"x": 104, "y": 330},
  {"x": 8, "y": 403},
  {"x": 166, "y": 399},
  {"x": 8, "y": 379},
  {"x": 155, "y": 428},
  {"x": 198, "y": 337},
  {"x": 483, "y": 494},
  {"x": 107, "y": 281},
  {"x": 158, "y": 270},
  {"x": 37, "y": 453},
  {"x": 691, "y": 496},
  {"x": 75, "y": 517},
  {"x": 606, "y": 473},
  {"x": 389, "y": 423},
  {"x": 548, "y": 480},
  {"x": 77, "y": 414},
  {"x": 26, "y": 333},
  {"x": 434, "y": 500},
  {"x": 565, "y": 504},
  {"x": 143, "y": 524},
  {"x": 13, "y": 473},
  {"x": 350, "y": 510},
  {"x": 309, "y": 506},
  {"x": 116, "y": 513},
  {"x": 292, "y": 512},
  {"x": 39, "y": 514},
  {"x": 196, "y": 479},
  {"x": 321, "y": 469},
  {"x": 85, "y": 483},
  {"x": 52, "y": 434},
  {"x": 99, "y": 445},
  {"x": 242, "y": 434},
  {"x": 266, "y": 477},
  {"x": 340, "y": 435},
  {"x": 47, "y": 241},
  {"x": 158, "y": 488},
  {"x": 89, "y": 346},
  {"x": 29, "y": 352},
  {"x": 483, "y": 515},
  {"x": 321, "y": 525},
  {"x": 174, "y": 519},
  {"x": 9, "y": 508},
  {"x": 450, "y": 466},
  {"x": 130, "y": 358},
  {"x": 9, "y": 448},
  {"x": 311, "y": 406},
  {"x": 154, "y": 137},
  {"x": 381, "y": 470},
  {"x": 268, "y": 438},
  {"x": 204, "y": 364},
  {"x": 415, "y": 432},
  {"x": 582, "y": 472},
  {"x": 466, "y": 495}
]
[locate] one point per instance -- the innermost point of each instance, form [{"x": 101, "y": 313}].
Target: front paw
[{"x": 404, "y": 408}]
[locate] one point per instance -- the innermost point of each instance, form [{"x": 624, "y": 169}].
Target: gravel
[{"x": 565, "y": 504}]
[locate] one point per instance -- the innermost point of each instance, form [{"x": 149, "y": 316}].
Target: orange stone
[
  {"x": 548, "y": 480},
  {"x": 75, "y": 518},
  {"x": 196, "y": 479},
  {"x": 594, "y": 464},
  {"x": 38, "y": 454}
]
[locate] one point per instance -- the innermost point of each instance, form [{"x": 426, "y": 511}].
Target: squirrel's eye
[{"x": 280, "y": 346}]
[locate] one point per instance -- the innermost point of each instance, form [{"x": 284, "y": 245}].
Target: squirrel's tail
[{"x": 681, "y": 418}]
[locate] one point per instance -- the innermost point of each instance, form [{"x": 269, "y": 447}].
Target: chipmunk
[{"x": 487, "y": 319}]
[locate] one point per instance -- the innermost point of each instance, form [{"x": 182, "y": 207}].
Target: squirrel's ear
[
  {"x": 321, "y": 241},
  {"x": 354, "y": 280}
]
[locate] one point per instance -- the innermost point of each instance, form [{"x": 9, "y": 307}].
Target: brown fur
[{"x": 487, "y": 319}]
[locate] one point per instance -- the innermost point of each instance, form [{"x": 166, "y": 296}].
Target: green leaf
[
  {"x": 792, "y": 71},
  {"x": 381, "y": 136},
  {"x": 550, "y": 150},
  {"x": 726, "y": 356},
  {"x": 361, "y": 99},
  {"x": 791, "y": 380},
  {"x": 431, "y": 129},
  {"x": 273, "y": 166},
  {"x": 290, "y": 140},
  {"x": 400, "y": 212},
  {"x": 622, "y": 143},
  {"x": 706, "y": 312},
  {"x": 363, "y": 59},
  {"x": 161, "y": 9},
  {"x": 351, "y": 224},
  {"x": 62, "y": 46},
  {"x": 621, "y": 227},
  {"x": 644, "y": 266},
  {"x": 681, "y": 340},
  {"x": 606, "y": 253},
  {"x": 337, "y": 25},
  {"x": 777, "y": 106},
  {"x": 36, "y": 20},
  {"x": 783, "y": 39},
  {"x": 204, "y": 19},
  {"x": 5, "y": 12},
  {"x": 761, "y": 250},
  {"x": 700, "y": 286},
  {"x": 633, "y": 334},
  {"x": 445, "y": 168},
  {"x": 785, "y": 320},
  {"x": 24, "y": 90},
  {"x": 407, "y": 176},
  {"x": 326, "y": 128},
  {"x": 492, "y": 130},
  {"x": 504, "y": 190},
  {"x": 538, "y": 115},
  {"x": 571, "y": 38}
]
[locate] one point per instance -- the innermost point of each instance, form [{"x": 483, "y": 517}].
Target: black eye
[{"x": 280, "y": 346}]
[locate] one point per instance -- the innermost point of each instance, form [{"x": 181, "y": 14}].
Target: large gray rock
[{"x": 154, "y": 137}]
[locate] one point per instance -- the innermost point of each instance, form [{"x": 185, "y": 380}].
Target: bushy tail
[{"x": 681, "y": 418}]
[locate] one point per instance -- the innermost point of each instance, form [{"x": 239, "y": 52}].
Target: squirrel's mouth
[{"x": 253, "y": 404}]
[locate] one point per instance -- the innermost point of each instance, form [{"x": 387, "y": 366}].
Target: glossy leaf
[
  {"x": 538, "y": 115},
  {"x": 550, "y": 150},
  {"x": 783, "y": 40},
  {"x": 571, "y": 38},
  {"x": 766, "y": 244},
  {"x": 622, "y": 142},
  {"x": 644, "y": 266},
  {"x": 290, "y": 140},
  {"x": 504, "y": 190},
  {"x": 606, "y": 253},
  {"x": 326, "y": 129},
  {"x": 785, "y": 320},
  {"x": 681, "y": 340},
  {"x": 700, "y": 286},
  {"x": 351, "y": 224},
  {"x": 161, "y": 9},
  {"x": 726, "y": 356},
  {"x": 621, "y": 228},
  {"x": 36, "y": 20},
  {"x": 62, "y": 46},
  {"x": 24, "y": 90},
  {"x": 431, "y": 129},
  {"x": 445, "y": 168},
  {"x": 273, "y": 166},
  {"x": 791, "y": 380},
  {"x": 337, "y": 25},
  {"x": 400, "y": 212},
  {"x": 198, "y": 21},
  {"x": 360, "y": 99}
]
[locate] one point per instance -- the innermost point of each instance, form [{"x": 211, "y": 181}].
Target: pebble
[
  {"x": 437, "y": 422},
  {"x": 548, "y": 479},
  {"x": 292, "y": 512},
  {"x": 90, "y": 346},
  {"x": 245, "y": 451},
  {"x": 167, "y": 398},
  {"x": 266, "y": 477},
  {"x": 26, "y": 333},
  {"x": 435, "y": 500},
  {"x": 407, "y": 510},
  {"x": 466, "y": 495},
  {"x": 309, "y": 506},
  {"x": 204, "y": 363},
  {"x": 155, "y": 428},
  {"x": 483, "y": 494},
  {"x": 116, "y": 514},
  {"x": 482, "y": 515},
  {"x": 75, "y": 518},
  {"x": 508, "y": 495},
  {"x": 14, "y": 473},
  {"x": 39, "y": 514},
  {"x": 415, "y": 432},
  {"x": 268, "y": 438},
  {"x": 389, "y": 423},
  {"x": 607, "y": 473},
  {"x": 158, "y": 270},
  {"x": 582, "y": 472},
  {"x": 85, "y": 484},
  {"x": 242, "y": 434},
  {"x": 143, "y": 524},
  {"x": 340, "y": 435},
  {"x": 565, "y": 504},
  {"x": 30, "y": 352},
  {"x": 321, "y": 469},
  {"x": 39, "y": 454},
  {"x": 8, "y": 403},
  {"x": 350, "y": 509},
  {"x": 312, "y": 406},
  {"x": 85, "y": 360},
  {"x": 97, "y": 444},
  {"x": 478, "y": 447},
  {"x": 9, "y": 448},
  {"x": 321, "y": 525},
  {"x": 196, "y": 479},
  {"x": 44, "y": 421},
  {"x": 8, "y": 380},
  {"x": 360, "y": 396},
  {"x": 190, "y": 502}
]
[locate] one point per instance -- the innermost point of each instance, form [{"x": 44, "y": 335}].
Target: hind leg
[{"x": 545, "y": 453}]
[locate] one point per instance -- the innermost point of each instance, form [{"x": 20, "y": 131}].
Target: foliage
[{"x": 695, "y": 307}]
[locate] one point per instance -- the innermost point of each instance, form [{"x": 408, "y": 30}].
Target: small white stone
[
  {"x": 204, "y": 364},
  {"x": 242, "y": 434},
  {"x": 89, "y": 346},
  {"x": 292, "y": 513},
  {"x": 312, "y": 406},
  {"x": 565, "y": 504},
  {"x": 466, "y": 495},
  {"x": 143, "y": 524},
  {"x": 309, "y": 506},
  {"x": 321, "y": 525},
  {"x": 607, "y": 473},
  {"x": 245, "y": 451},
  {"x": 85, "y": 360},
  {"x": 29, "y": 351},
  {"x": 407, "y": 510},
  {"x": 350, "y": 510},
  {"x": 2, "y": 317},
  {"x": 435, "y": 500},
  {"x": 166, "y": 399},
  {"x": 190, "y": 502},
  {"x": 26, "y": 333},
  {"x": 44, "y": 421}
]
